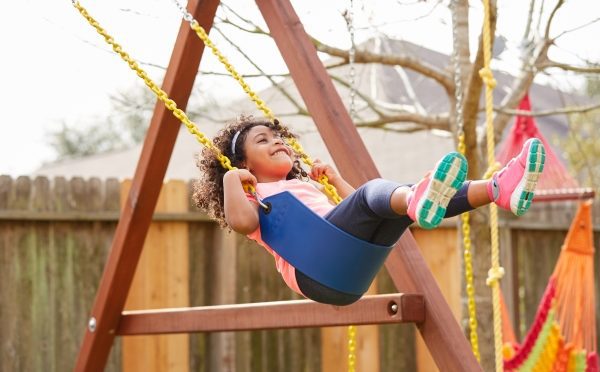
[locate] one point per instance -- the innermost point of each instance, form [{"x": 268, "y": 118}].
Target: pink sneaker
[
  {"x": 512, "y": 187},
  {"x": 429, "y": 198}
]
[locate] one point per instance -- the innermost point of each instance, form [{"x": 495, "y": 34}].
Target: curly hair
[{"x": 208, "y": 192}]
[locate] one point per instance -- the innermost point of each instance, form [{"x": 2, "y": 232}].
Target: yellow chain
[
  {"x": 351, "y": 348},
  {"x": 160, "y": 94},
  {"x": 465, "y": 217},
  {"x": 468, "y": 259},
  {"x": 496, "y": 271},
  {"x": 193, "y": 129},
  {"x": 329, "y": 189}
]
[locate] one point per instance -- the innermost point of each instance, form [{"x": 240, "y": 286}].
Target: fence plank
[
  {"x": 287, "y": 350},
  {"x": 48, "y": 275},
  {"x": 442, "y": 255},
  {"x": 49, "y": 272},
  {"x": 201, "y": 238},
  {"x": 161, "y": 280},
  {"x": 397, "y": 342},
  {"x": 6, "y": 185},
  {"x": 222, "y": 356}
]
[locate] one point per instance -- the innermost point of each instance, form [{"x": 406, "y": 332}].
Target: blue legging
[{"x": 368, "y": 215}]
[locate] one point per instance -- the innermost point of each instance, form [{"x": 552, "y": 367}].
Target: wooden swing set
[{"x": 420, "y": 300}]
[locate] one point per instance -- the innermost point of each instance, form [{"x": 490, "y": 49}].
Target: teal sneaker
[
  {"x": 429, "y": 197},
  {"x": 512, "y": 188}
]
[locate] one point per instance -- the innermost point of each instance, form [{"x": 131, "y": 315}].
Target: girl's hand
[
  {"x": 319, "y": 169},
  {"x": 240, "y": 213},
  {"x": 243, "y": 175}
]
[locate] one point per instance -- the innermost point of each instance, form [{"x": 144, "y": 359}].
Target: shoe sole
[
  {"x": 447, "y": 179},
  {"x": 521, "y": 198}
]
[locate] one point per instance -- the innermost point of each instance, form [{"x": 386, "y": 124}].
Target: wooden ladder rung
[{"x": 376, "y": 309}]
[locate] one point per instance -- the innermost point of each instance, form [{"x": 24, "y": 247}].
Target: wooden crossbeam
[{"x": 377, "y": 309}]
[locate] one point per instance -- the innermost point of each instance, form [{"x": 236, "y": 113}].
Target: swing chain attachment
[
  {"x": 187, "y": 16},
  {"x": 266, "y": 206}
]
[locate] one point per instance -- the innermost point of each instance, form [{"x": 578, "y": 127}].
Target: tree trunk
[{"x": 480, "y": 232}]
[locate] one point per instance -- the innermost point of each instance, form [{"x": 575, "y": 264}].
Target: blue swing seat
[{"x": 317, "y": 248}]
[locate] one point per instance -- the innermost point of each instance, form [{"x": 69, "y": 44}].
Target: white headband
[{"x": 234, "y": 140}]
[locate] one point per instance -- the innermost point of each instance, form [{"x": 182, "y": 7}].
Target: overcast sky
[{"x": 55, "y": 68}]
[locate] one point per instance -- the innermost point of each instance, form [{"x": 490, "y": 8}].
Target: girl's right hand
[{"x": 243, "y": 175}]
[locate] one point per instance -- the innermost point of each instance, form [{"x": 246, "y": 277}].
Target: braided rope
[{"x": 496, "y": 271}]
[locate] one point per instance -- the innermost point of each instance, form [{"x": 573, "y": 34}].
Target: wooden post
[
  {"x": 405, "y": 264},
  {"x": 137, "y": 212},
  {"x": 161, "y": 280}
]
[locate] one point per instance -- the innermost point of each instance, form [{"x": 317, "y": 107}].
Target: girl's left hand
[{"x": 319, "y": 169}]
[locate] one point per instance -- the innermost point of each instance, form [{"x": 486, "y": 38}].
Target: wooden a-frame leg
[{"x": 147, "y": 182}]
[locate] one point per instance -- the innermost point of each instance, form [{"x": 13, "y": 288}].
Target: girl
[{"x": 378, "y": 211}]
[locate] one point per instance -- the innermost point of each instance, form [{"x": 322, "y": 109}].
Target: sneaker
[
  {"x": 512, "y": 188},
  {"x": 429, "y": 198}
]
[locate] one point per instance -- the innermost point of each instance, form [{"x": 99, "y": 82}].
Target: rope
[
  {"x": 496, "y": 271},
  {"x": 465, "y": 217},
  {"x": 329, "y": 189}
]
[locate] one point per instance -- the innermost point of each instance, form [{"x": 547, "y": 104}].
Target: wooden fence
[{"x": 55, "y": 236}]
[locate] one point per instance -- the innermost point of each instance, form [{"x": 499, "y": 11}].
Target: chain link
[
  {"x": 349, "y": 16},
  {"x": 351, "y": 348}
]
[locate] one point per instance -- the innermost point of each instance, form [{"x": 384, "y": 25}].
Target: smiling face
[{"x": 267, "y": 156}]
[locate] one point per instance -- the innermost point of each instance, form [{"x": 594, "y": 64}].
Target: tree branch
[
  {"x": 551, "y": 18},
  {"x": 362, "y": 56},
  {"x": 563, "y": 66},
  {"x": 560, "y": 111},
  {"x": 372, "y": 105},
  {"x": 260, "y": 70},
  {"x": 577, "y": 28},
  {"x": 405, "y": 61},
  {"x": 441, "y": 122}
]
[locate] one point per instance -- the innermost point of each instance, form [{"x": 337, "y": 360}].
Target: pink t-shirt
[{"x": 308, "y": 194}]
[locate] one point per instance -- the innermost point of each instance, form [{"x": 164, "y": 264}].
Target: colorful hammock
[{"x": 563, "y": 334}]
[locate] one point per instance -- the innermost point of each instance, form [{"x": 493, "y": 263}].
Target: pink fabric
[
  {"x": 308, "y": 194},
  {"x": 555, "y": 175}
]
